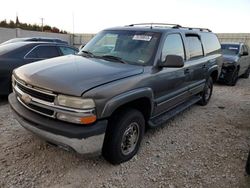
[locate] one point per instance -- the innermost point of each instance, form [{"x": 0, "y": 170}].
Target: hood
[
  {"x": 73, "y": 75},
  {"x": 230, "y": 58}
]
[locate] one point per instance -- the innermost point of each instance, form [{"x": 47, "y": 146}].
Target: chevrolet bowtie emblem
[{"x": 26, "y": 98}]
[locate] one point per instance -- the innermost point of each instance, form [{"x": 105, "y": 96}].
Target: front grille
[
  {"x": 38, "y": 100},
  {"x": 40, "y": 109},
  {"x": 35, "y": 93}
]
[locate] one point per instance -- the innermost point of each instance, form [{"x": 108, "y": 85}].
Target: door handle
[
  {"x": 204, "y": 66},
  {"x": 186, "y": 71}
]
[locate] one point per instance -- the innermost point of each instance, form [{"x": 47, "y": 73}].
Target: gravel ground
[{"x": 201, "y": 147}]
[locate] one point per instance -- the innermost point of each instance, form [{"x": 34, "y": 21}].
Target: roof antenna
[{"x": 151, "y": 26}]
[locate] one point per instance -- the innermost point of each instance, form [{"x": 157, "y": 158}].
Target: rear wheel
[
  {"x": 207, "y": 92},
  {"x": 246, "y": 74},
  {"x": 123, "y": 136}
]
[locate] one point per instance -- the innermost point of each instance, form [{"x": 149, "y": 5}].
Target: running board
[{"x": 162, "y": 118}]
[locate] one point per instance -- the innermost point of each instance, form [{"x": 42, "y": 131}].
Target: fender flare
[{"x": 127, "y": 97}]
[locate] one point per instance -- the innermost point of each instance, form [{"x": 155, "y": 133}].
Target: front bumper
[
  {"x": 227, "y": 73},
  {"x": 82, "y": 139}
]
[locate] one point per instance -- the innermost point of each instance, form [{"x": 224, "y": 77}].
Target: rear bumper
[{"x": 82, "y": 139}]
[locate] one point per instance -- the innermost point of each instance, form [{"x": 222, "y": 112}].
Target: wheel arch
[{"x": 140, "y": 99}]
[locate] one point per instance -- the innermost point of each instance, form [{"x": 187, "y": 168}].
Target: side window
[
  {"x": 210, "y": 43},
  {"x": 194, "y": 46},
  {"x": 43, "y": 52},
  {"x": 173, "y": 45},
  {"x": 67, "y": 51}
]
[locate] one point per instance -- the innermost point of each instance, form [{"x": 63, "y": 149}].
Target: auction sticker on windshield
[{"x": 142, "y": 37}]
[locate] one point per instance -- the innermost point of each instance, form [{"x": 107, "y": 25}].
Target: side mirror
[
  {"x": 174, "y": 61},
  {"x": 245, "y": 53}
]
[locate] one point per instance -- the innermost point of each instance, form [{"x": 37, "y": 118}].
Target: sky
[{"x": 82, "y": 16}]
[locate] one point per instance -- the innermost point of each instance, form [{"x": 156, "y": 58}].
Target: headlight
[
  {"x": 13, "y": 80},
  {"x": 88, "y": 115},
  {"x": 75, "y": 102},
  {"x": 228, "y": 63}
]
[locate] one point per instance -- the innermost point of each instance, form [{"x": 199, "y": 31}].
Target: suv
[
  {"x": 236, "y": 62},
  {"x": 126, "y": 79}
]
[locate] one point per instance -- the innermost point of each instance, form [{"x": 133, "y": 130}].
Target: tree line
[{"x": 31, "y": 27}]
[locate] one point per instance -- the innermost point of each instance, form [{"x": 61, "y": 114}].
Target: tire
[
  {"x": 234, "y": 78},
  {"x": 248, "y": 164},
  {"x": 246, "y": 74},
  {"x": 207, "y": 92},
  {"x": 123, "y": 136}
]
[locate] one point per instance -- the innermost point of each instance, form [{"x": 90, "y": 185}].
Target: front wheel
[
  {"x": 207, "y": 92},
  {"x": 246, "y": 74},
  {"x": 234, "y": 78},
  {"x": 123, "y": 136}
]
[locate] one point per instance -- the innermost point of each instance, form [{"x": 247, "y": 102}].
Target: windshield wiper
[{"x": 111, "y": 57}]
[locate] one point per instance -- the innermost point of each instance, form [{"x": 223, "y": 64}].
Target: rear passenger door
[{"x": 195, "y": 66}]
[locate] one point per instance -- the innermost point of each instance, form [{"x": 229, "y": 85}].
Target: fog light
[{"x": 76, "y": 119}]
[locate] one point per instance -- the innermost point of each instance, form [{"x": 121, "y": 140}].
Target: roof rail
[
  {"x": 155, "y": 24},
  {"x": 197, "y": 28},
  {"x": 176, "y": 26}
]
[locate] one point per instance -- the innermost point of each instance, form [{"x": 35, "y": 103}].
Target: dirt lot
[{"x": 202, "y": 147}]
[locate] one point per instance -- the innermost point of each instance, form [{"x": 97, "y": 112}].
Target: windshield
[
  {"x": 133, "y": 47},
  {"x": 230, "y": 49},
  {"x": 6, "y": 48}
]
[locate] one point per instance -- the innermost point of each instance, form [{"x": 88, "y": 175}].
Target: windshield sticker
[
  {"x": 233, "y": 48},
  {"x": 142, "y": 37}
]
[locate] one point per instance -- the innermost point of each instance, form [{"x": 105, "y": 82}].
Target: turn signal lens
[
  {"x": 76, "y": 119},
  {"x": 88, "y": 120}
]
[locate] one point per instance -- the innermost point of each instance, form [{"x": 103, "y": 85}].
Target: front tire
[
  {"x": 123, "y": 136},
  {"x": 246, "y": 74},
  {"x": 207, "y": 92},
  {"x": 235, "y": 77}
]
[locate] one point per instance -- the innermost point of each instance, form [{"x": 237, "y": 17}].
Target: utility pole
[{"x": 42, "y": 23}]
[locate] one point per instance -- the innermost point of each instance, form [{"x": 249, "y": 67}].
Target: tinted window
[
  {"x": 210, "y": 42},
  {"x": 194, "y": 46},
  {"x": 230, "y": 49},
  {"x": 67, "y": 51},
  {"x": 43, "y": 52},
  {"x": 173, "y": 45},
  {"x": 6, "y": 48}
]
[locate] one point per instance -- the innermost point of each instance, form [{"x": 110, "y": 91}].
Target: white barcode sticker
[{"x": 142, "y": 37}]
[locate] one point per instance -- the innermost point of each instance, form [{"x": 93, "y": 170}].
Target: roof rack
[
  {"x": 155, "y": 24},
  {"x": 175, "y": 26},
  {"x": 197, "y": 28}
]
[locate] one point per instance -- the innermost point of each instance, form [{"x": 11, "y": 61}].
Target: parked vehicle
[
  {"x": 247, "y": 167},
  {"x": 236, "y": 62},
  {"x": 35, "y": 39},
  {"x": 126, "y": 79},
  {"x": 13, "y": 55}
]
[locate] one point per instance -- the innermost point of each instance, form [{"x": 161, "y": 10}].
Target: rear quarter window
[{"x": 211, "y": 43}]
